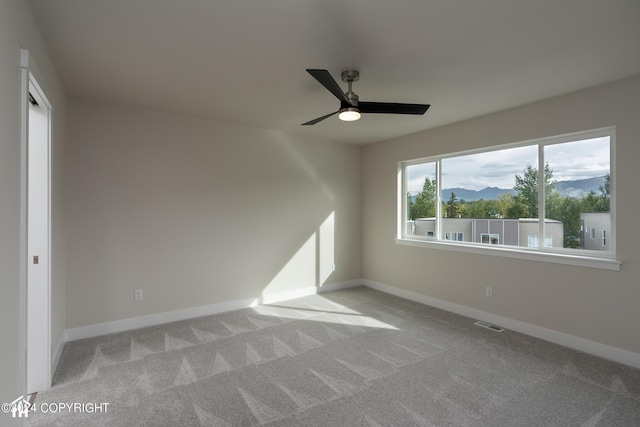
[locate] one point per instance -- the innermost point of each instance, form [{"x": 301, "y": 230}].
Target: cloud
[{"x": 568, "y": 161}]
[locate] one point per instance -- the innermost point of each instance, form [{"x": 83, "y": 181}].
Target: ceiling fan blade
[
  {"x": 327, "y": 81},
  {"x": 319, "y": 119},
  {"x": 392, "y": 108}
]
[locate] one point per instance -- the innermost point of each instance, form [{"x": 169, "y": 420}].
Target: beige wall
[
  {"x": 18, "y": 30},
  {"x": 197, "y": 212},
  {"x": 597, "y": 305}
]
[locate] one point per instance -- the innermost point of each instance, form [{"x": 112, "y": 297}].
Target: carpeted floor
[{"x": 355, "y": 357}]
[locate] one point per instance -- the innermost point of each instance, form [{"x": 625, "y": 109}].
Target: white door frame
[{"x": 35, "y": 369}]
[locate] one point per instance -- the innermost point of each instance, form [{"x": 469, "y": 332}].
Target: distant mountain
[
  {"x": 487, "y": 193},
  {"x": 575, "y": 188},
  {"x": 580, "y": 187}
]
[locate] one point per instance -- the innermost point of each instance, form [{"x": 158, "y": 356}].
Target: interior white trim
[
  {"x": 595, "y": 348},
  {"x": 205, "y": 310},
  {"x": 24, "y": 143},
  {"x": 513, "y": 252},
  {"x": 57, "y": 354}
]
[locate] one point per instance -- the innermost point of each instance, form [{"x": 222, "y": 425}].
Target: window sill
[{"x": 530, "y": 255}]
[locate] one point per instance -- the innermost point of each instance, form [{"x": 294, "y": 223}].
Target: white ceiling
[{"x": 244, "y": 61}]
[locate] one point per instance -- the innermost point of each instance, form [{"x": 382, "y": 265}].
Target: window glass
[
  {"x": 455, "y": 236},
  {"x": 533, "y": 241},
  {"x": 493, "y": 197},
  {"x": 578, "y": 177},
  {"x": 420, "y": 209},
  {"x": 483, "y": 185},
  {"x": 491, "y": 239}
]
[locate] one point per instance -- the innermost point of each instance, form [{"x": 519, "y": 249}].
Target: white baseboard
[
  {"x": 57, "y": 353},
  {"x": 98, "y": 329},
  {"x": 310, "y": 290},
  {"x": 571, "y": 341},
  {"x": 342, "y": 285},
  {"x": 595, "y": 348}
]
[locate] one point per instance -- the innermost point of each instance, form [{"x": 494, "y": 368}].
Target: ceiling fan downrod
[
  {"x": 350, "y": 76},
  {"x": 350, "y": 112}
]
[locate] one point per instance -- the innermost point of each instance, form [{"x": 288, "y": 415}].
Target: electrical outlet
[
  {"x": 489, "y": 292},
  {"x": 137, "y": 294},
  {"x": 333, "y": 267}
]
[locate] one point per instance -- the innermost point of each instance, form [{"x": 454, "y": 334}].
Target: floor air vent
[{"x": 486, "y": 325}]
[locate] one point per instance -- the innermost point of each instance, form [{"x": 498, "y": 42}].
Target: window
[
  {"x": 454, "y": 236},
  {"x": 421, "y": 190},
  {"x": 491, "y": 239},
  {"x": 510, "y": 195},
  {"x": 533, "y": 241}
]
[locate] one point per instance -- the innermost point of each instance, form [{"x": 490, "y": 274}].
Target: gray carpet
[{"x": 355, "y": 357}]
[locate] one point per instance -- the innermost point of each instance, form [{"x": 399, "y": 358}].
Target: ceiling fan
[{"x": 350, "y": 105}]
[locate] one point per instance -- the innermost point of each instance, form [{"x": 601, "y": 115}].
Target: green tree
[
  {"x": 605, "y": 195},
  {"x": 504, "y": 205},
  {"x": 518, "y": 209},
  {"x": 478, "y": 209},
  {"x": 425, "y": 204},
  {"x": 463, "y": 209},
  {"x": 591, "y": 202},
  {"x": 527, "y": 188},
  {"x": 554, "y": 206},
  {"x": 453, "y": 206},
  {"x": 570, "y": 217}
]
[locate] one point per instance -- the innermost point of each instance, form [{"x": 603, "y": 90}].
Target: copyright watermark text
[{"x": 21, "y": 407}]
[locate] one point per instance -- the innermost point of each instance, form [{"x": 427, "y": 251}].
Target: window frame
[{"x": 579, "y": 257}]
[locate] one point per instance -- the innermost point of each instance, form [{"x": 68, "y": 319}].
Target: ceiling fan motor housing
[{"x": 350, "y": 75}]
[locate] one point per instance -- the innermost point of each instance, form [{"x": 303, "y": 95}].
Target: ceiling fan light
[{"x": 349, "y": 114}]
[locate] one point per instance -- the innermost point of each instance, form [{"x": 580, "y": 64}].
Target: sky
[{"x": 569, "y": 161}]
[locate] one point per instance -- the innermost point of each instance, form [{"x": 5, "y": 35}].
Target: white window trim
[
  {"x": 583, "y": 258},
  {"x": 516, "y": 252}
]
